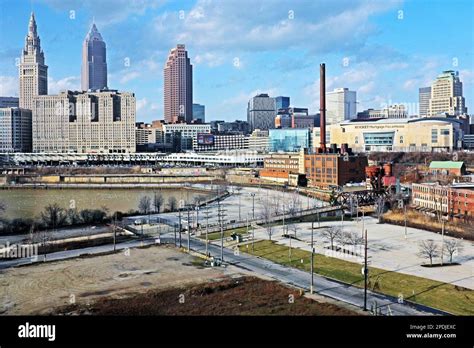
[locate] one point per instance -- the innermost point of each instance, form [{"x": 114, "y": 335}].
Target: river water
[{"x": 28, "y": 203}]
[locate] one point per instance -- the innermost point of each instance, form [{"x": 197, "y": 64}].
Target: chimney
[{"x": 322, "y": 106}]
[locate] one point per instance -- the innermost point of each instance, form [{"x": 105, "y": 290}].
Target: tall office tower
[
  {"x": 178, "y": 86},
  {"x": 446, "y": 95},
  {"x": 94, "y": 61},
  {"x": 33, "y": 72},
  {"x": 282, "y": 102},
  {"x": 261, "y": 112},
  {"x": 340, "y": 105},
  {"x": 15, "y": 130},
  {"x": 199, "y": 113},
  {"x": 424, "y": 95},
  {"x": 84, "y": 122}
]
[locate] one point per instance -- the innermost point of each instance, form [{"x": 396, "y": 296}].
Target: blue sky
[{"x": 385, "y": 50}]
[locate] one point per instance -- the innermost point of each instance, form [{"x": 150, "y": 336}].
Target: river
[{"x": 28, "y": 203}]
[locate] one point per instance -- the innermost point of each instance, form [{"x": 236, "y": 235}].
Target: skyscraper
[
  {"x": 199, "y": 113},
  {"x": 94, "y": 61},
  {"x": 282, "y": 102},
  {"x": 261, "y": 112},
  {"x": 446, "y": 95},
  {"x": 178, "y": 86},
  {"x": 33, "y": 72},
  {"x": 424, "y": 95},
  {"x": 340, "y": 105}
]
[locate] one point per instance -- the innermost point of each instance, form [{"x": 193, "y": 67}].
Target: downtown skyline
[{"x": 370, "y": 47}]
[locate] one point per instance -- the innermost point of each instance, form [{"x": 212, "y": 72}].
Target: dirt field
[
  {"x": 41, "y": 288},
  {"x": 242, "y": 296}
]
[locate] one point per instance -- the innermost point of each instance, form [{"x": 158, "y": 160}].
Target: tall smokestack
[{"x": 322, "y": 106}]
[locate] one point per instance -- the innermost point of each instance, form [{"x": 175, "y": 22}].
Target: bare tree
[
  {"x": 267, "y": 212},
  {"x": 452, "y": 246},
  {"x": 3, "y": 207},
  {"x": 354, "y": 239},
  {"x": 344, "y": 238},
  {"x": 332, "y": 234},
  {"x": 53, "y": 216},
  {"x": 172, "y": 203},
  {"x": 380, "y": 207},
  {"x": 144, "y": 205},
  {"x": 157, "y": 202},
  {"x": 428, "y": 249},
  {"x": 293, "y": 228},
  {"x": 294, "y": 203}
]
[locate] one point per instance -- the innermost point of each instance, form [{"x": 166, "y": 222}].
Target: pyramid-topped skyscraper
[
  {"x": 33, "y": 72},
  {"x": 94, "y": 61}
]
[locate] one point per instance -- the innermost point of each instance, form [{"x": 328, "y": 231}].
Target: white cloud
[
  {"x": 72, "y": 83},
  {"x": 209, "y": 59},
  {"x": 9, "y": 86},
  {"x": 128, "y": 76}
]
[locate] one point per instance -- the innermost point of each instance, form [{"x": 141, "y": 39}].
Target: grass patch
[
  {"x": 451, "y": 298},
  {"x": 217, "y": 235}
]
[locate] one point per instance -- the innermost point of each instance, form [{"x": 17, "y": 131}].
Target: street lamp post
[
  {"x": 180, "y": 227},
  {"x": 253, "y": 205},
  {"x": 366, "y": 271},
  {"x": 311, "y": 289},
  {"x": 189, "y": 231}
]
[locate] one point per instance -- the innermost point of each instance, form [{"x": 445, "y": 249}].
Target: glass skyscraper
[{"x": 282, "y": 102}]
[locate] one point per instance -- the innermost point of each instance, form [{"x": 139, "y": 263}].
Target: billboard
[{"x": 205, "y": 139}]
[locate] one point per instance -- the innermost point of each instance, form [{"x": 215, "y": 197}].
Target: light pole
[
  {"x": 253, "y": 205},
  {"x": 180, "y": 227},
  {"x": 207, "y": 212},
  {"x": 312, "y": 259},
  {"x": 366, "y": 273},
  {"x": 189, "y": 230},
  {"x": 405, "y": 216}
]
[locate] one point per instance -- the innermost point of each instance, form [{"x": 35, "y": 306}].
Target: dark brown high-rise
[{"x": 322, "y": 106}]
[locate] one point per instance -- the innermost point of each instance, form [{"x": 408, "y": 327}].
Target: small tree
[
  {"x": 332, "y": 234},
  {"x": 144, "y": 205},
  {"x": 53, "y": 216},
  {"x": 428, "y": 249},
  {"x": 293, "y": 228},
  {"x": 172, "y": 203},
  {"x": 452, "y": 246},
  {"x": 343, "y": 238},
  {"x": 73, "y": 216},
  {"x": 157, "y": 202}
]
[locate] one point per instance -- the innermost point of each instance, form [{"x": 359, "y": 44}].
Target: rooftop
[{"x": 446, "y": 164}]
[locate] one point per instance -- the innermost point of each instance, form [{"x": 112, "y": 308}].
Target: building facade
[
  {"x": 261, "y": 112},
  {"x": 182, "y": 134},
  {"x": 15, "y": 130},
  {"x": 446, "y": 95},
  {"x": 259, "y": 141},
  {"x": 9, "y": 102},
  {"x": 279, "y": 166},
  {"x": 400, "y": 135},
  {"x": 199, "y": 113},
  {"x": 294, "y": 118},
  {"x": 454, "y": 200},
  {"x": 33, "y": 73},
  {"x": 330, "y": 170},
  {"x": 236, "y": 127},
  {"x": 84, "y": 122},
  {"x": 341, "y": 105},
  {"x": 392, "y": 111},
  {"x": 282, "y": 102},
  {"x": 456, "y": 168},
  {"x": 289, "y": 140},
  {"x": 210, "y": 142},
  {"x": 94, "y": 61},
  {"x": 178, "y": 86},
  {"x": 424, "y": 96}
]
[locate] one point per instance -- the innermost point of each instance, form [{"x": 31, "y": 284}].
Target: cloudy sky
[{"x": 385, "y": 50}]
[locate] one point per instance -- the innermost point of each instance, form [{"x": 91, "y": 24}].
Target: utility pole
[
  {"x": 405, "y": 216},
  {"x": 180, "y": 227},
  {"x": 442, "y": 239},
  {"x": 253, "y": 205},
  {"x": 366, "y": 273},
  {"x": 189, "y": 231},
  {"x": 115, "y": 231},
  {"x": 319, "y": 223},
  {"x": 363, "y": 223},
  {"x": 311, "y": 289},
  {"x": 220, "y": 215},
  {"x": 207, "y": 212}
]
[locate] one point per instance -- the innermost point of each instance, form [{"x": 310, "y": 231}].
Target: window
[
  {"x": 434, "y": 135},
  {"x": 444, "y": 131},
  {"x": 356, "y": 140},
  {"x": 401, "y": 139}
]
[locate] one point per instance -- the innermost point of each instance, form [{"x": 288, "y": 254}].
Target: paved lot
[{"x": 388, "y": 249}]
